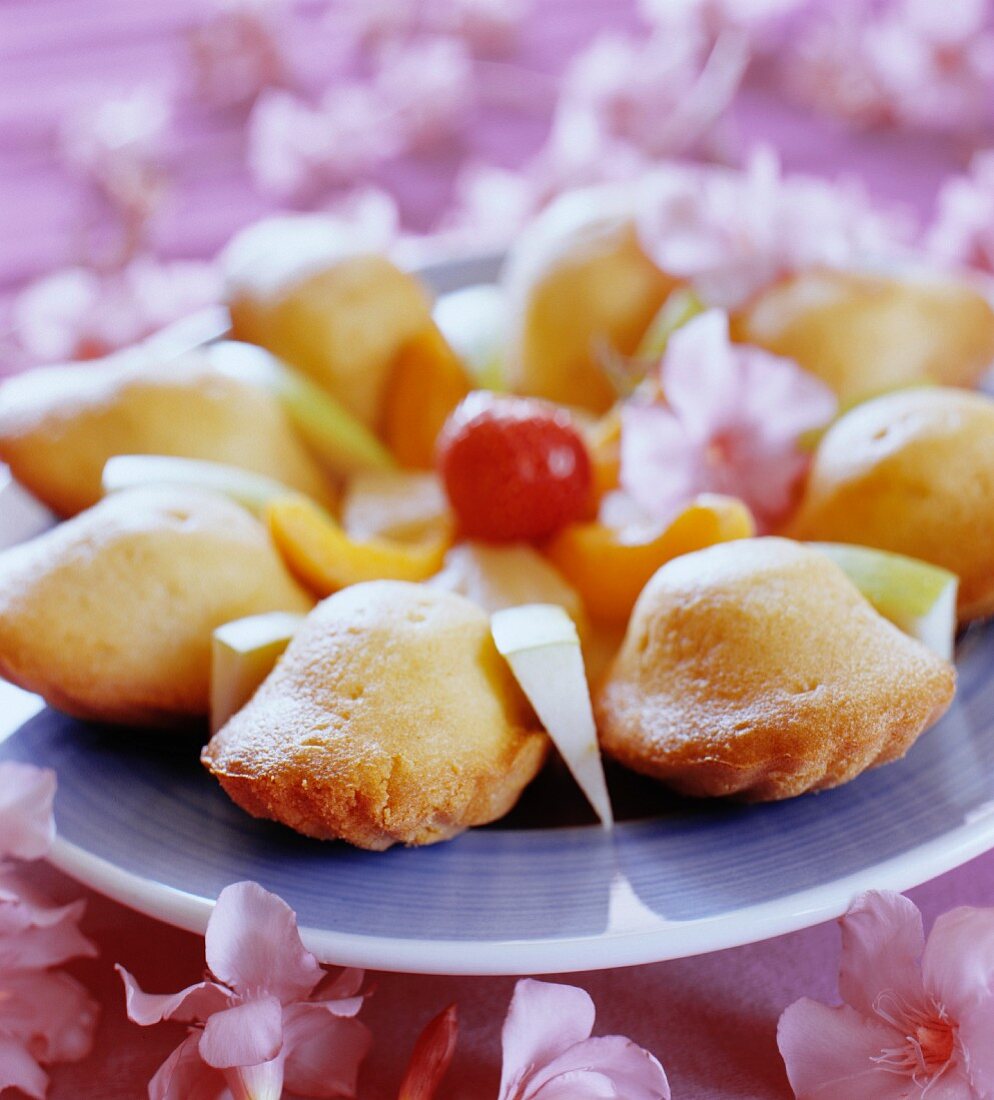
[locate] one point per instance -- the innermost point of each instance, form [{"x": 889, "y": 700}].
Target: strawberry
[{"x": 513, "y": 468}]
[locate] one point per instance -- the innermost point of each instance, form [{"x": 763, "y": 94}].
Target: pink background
[{"x": 712, "y": 1020}]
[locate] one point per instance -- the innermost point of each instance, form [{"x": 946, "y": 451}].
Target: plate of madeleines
[{"x": 512, "y": 614}]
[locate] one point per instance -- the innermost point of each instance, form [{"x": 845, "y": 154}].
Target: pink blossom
[
  {"x": 26, "y": 825},
  {"x": 487, "y": 27},
  {"x": 730, "y": 424},
  {"x": 118, "y": 147},
  {"x": 264, "y": 1018},
  {"x": 81, "y": 313},
  {"x": 907, "y": 1029},
  {"x": 963, "y": 232},
  {"x": 914, "y": 63},
  {"x": 549, "y": 1054},
  {"x": 755, "y": 17},
  {"x": 660, "y": 93},
  {"x": 45, "y": 1016},
  {"x": 236, "y": 52},
  {"x": 428, "y": 86},
  {"x": 732, "y": 233},
  {"x": 296, "y": 149}
]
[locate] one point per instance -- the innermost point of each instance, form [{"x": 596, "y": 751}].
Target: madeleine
[
  {"x": 59, "y": 425},
  {"x": 578, "y": 281},
  {"x": 109, "y": 615},
  {"x": 911, "y": 472},
  {"x": 757, "y": 669},
  {"x": 308, "y": 290},
  {"x": 391, "y": 718},
  {"x": 864, "y": 334}
]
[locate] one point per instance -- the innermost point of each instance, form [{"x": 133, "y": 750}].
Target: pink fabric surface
[{"x": 711, "y": 1020}]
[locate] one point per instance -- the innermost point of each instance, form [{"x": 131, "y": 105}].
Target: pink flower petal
[
  {"x": 582, "y": 1084},
  {"x": 35, "y": 937},
  {"x": 730, "y": 425},
  {"x": 27, "y": 828},
  {"x": 253, "y": 945},
  {"x": 185, "y": 1076},
  {"x": 543, "y": 1020},
  {"x": 323, "y": 1051},
  {"x": 634, "y": 1073},
  {"x": 18, "y": 1070},
  {"x": 244, "y": 1035},
  {"x": 958, "y": 960},
  {"x": 341, "y": 986},
  {"x": 882, "y": 942},
  {"x": 974, "y": 1031},
  {"x": 195, "y": 1003},
  {"x": 829, "y": 1054},
  {"x": 661, "y": 467},
  {"x": 700, "y": 377},
  {"x": 50, "y": 1012}
]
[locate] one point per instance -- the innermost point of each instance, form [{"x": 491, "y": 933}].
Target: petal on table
[
  {"x": 185, "y": 1076},
  {"x": 245, "y": 1035},
  {"x": 27, "y": 828},
  {"x": 829, "y": 1054},
  {"x": 195, "y": 1003},
  {"x": 18, "y": 1070},
  {"x": 543, "y": 1020},
  {"x": 323, "y": 1051},
  {"x": 50, "y": 1012},
  {"x": 253, "y": 945},
  {"x": 958, "y": 960},
  {"x": 634, "y": 1072},
  {"x": 882, "y": 943}
]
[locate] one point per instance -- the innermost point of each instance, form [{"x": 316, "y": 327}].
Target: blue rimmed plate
[{"x": 540, "y": 892}]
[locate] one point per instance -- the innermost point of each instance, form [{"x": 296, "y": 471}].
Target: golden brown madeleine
[
  {"x": 302, "y": 287},
  {"x": 109, "y": 616},
  {"x": 390, "y": 718},
  {"x": 578, "y": 279},
  {"x": 59, "y": 425},
  {"x": 912, "y": 472},
  {"x": 864, "y": 334},
  {"x": 757, "y": 669}
]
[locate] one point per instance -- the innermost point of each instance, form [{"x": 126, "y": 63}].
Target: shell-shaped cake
[
  {"x": 109, "y": 615},
  {"x": 757, "y": 669},
  {"x": 911, "y": 472},
  {"x": 391, "y": 718}
]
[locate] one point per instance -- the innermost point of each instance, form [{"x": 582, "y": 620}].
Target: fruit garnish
[
  {"x": 540, "y": 643},
  {"x": 243, "y": 654},
  {"x": 407, "y": 505},
  {"x": 916, "y": 597},
  {"x": 497, "y": 577},
  {"x": 427, "y": 381},
  {"x": 514, "y": 469},
  {"x": 474, "y": 322},
  {"x": 252, "y": 491},
  {"x": 325, "y": 559},
  {"x": 681, "y": 306},
  {"x": 609, "y": 566},
  {"x": 337, "y": 438}
]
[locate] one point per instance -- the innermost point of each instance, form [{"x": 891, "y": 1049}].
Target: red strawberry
[{"x": 513, "y": 468}]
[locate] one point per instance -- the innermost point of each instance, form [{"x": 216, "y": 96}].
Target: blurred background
[{"x": 137, "y": 135}]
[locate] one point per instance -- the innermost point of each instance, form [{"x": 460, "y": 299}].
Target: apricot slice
[
  {"x": 609, "y": 567},
  {"x": 323, "y": 556},
  {"x": 426, "y": 383}
]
